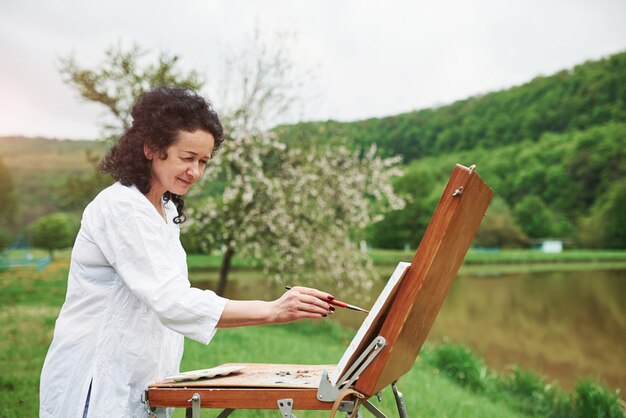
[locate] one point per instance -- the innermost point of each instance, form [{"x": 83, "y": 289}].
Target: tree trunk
[{"x": 221, "y": 284}]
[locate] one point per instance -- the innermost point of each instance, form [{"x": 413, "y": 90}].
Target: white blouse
[{"x": 128, "y": 305}]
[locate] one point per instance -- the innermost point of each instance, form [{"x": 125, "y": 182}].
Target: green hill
[
  {"x": 38, "y": 167},
  {"x": 590, "y": 94}
]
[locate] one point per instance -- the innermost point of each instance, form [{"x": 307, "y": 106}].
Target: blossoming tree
[{"x": 297, "y": 211}]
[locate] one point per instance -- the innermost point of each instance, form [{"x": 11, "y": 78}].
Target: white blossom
[{"x": 299, "y": 212}]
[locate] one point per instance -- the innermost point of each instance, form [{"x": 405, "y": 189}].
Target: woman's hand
[
  {"x": 297, "y": 303},
  {"x": 301, "y": 302}
]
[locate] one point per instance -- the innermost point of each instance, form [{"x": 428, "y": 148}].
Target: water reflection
[{"x": 566, "y": 325}]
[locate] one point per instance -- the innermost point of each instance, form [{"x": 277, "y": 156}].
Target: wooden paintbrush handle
[{"x": 338, "y": 303}]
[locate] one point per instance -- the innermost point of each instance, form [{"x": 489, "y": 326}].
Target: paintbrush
[{"x": 341, "y": 304}]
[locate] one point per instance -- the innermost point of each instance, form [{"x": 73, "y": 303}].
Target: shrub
[
  {"x": 524, "y": 391},
  {"x": 53, "y": 232},
  {"x": 460, "y": 364},
  {"x": 531, "y": 395},
  {"x": 592, "y": 400}
]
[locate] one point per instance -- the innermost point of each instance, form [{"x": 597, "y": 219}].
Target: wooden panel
[
  {"x": 238, "y": 398},
  {"x": 426, "y": 283}
]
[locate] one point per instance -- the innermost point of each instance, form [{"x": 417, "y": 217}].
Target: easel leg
[
  {"x": 399, "y": 401},
  {"x": 194, "y": 411},
  {"x": 225, "y": 413},
  {"x": 375, "y": 411}
]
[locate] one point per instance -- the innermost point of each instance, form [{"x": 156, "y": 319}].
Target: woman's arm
[{"x": 297, "y": 303}]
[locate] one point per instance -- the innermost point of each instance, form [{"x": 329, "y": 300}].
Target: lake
[{"x": 565, "y": 325}]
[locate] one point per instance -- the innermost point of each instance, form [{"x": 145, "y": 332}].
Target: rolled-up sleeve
[{"x": 135, "y": 245}]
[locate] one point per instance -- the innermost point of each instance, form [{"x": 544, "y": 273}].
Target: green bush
[
  {"x": 531, "y": 395},
  {"x": 592, "y": 400},
  {"x": 460, "y": 364},
  {"x": 524, "y": 391},
  {"x": 53, "y": 232}
]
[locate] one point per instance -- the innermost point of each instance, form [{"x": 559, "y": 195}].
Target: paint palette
[{"x": 206, "y": 373}]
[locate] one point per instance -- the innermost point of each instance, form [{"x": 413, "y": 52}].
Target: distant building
[{"x": 552, "y": 246}]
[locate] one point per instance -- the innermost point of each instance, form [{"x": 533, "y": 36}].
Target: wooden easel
[{"x": 390, "y": 346}]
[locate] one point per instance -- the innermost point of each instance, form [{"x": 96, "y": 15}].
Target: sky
[{"x": 366, "y": 58}]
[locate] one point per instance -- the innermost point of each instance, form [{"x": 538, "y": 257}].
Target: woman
[{"x": 129, "y": 302}]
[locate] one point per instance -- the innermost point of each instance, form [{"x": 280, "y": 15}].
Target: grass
[
  {"x": 511, "y": 256},
  {"x": 474, "y": 257},
  {"x": 30, "y": 302},
  {"x": 510, "y": 260}
]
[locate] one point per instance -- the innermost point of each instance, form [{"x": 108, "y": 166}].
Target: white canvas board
[{"x": 371, "y": 318}]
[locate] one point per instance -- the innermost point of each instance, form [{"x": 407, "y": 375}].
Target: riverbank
[
  {"x": 509, "y": 260},
  {"x": 513, "y": 259}
]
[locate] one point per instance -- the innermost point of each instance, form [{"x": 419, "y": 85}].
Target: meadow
[{"x": 447, "y": 380}]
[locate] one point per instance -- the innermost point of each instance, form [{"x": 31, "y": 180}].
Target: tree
[
  {"x": 534, "y": 217},
  {"x": 53, "y": 232},
  {"x": 8, "y": 208},
  {"x": 499, "y": 229},
  {"x": 295, "y": 210},
  {"x": 407, "y": 226},
  {"x": 120, "y": 78},
  {"x": 605, "y": 227}
]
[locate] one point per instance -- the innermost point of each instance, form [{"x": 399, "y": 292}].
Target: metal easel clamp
[
  {"x": 328, "y": 393},
  {"x": 286, "y": 406}
]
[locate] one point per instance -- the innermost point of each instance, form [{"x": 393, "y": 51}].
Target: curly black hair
[{"x": 158, "y": 116}]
